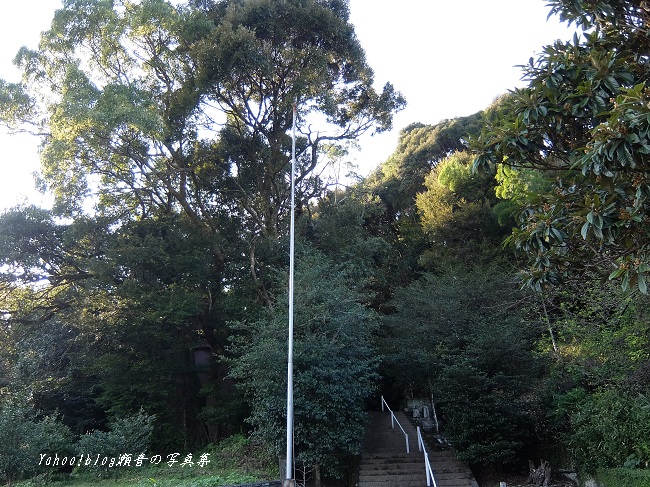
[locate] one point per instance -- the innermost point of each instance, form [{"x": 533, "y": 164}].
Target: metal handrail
[
  {"x": 427, "y": 464},
  {"x": 394, "y": 420}
]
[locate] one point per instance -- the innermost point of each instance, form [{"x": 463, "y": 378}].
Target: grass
[
  {"x": 233, "y": 461},
  {"x": 151, "y": 477},
  {"x": 623, "y": 477}
]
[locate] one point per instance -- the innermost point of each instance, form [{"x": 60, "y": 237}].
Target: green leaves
[
  {"x": 16, "y": 105},
  {"x": 170, "y": 125},
  {"x": 590, "y": 139},
  {"x": 24, "y": 439},
  {"x": 334, "y": 367},
  {"x": 456, "y": 214},
  {"x": 612, "y": 426},
  {"x": 126, "y": 435},
  {"x": 468, "y": 345}
]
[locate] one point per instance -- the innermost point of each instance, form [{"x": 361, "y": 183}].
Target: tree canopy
[
  {"x": 148, "y": 108},
  {"x": 165, "y": 138}
]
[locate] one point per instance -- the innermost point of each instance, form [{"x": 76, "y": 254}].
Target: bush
[
  {"x": 129, "y": 435},
  {"x": 610, "y": 429},
  {"x": 25, "y": 440},
  {"x": 623, "y": 477},
  {"x": 244, "y": 456},
  {"x": 334, "y": 366}
]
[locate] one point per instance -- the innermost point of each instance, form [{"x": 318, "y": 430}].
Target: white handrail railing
[
  {"x": 394, "y": 420},
  {"x": 427, "y": 464}
]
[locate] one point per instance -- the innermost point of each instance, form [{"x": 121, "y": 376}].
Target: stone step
[
  {"x": 454, "y": 483},
  {"x": 385, "y": 463},
  {"x": 415, "y": 482},
  {"x": 412, "y": 483},
  {"x": 395, "y": 480},
  {"x": 401, "y": 471},
  {"x": 442, "y": 480},
  {"x": 391, "y": 483},
  {"x": 390, "y": 450},
  {"x": 379, "y": 466},
  {"x": 392, "y": 469},
  {"x": 400, "y": 456},
  {"x": 451, "y": 469}
]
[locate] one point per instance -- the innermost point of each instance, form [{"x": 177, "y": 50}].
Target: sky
[{"x": 448, "y": 59}]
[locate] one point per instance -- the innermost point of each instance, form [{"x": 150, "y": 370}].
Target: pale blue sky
[{"x": 449, "y": 59}]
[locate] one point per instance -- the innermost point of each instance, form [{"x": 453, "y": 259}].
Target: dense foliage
[
  {"x": 334, "y": 365},
  {"x": 165, "y": 135},
  {"x": 464, "y": 337},
  {"x": 126, "y": 436},
  {"x": 25, "y": 438},
  {"x": 150, "y": 303},
  {"x": 583, "y": 121},
  {"x": 570, "y": 153}
]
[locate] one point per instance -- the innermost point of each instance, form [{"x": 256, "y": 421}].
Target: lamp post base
[{"x": 288, "y": 483}]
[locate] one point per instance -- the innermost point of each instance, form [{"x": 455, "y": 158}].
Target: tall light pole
[{"x": 289, "y": 481}]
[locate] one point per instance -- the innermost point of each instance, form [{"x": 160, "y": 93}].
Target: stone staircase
[{"x": 385, "y": 463}]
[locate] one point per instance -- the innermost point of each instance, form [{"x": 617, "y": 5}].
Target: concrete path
[{"x": 385, "y": 463}]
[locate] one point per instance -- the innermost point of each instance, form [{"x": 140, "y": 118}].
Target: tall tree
[
  {"x": 340, "y": 231},
  {"x": 419, "y": 150},
  {"x": 396, "y": 182},
  {"x": 147, "y": 107},
  {"x": 165, "y": 140},
  {"x": 104, "y": 320}
]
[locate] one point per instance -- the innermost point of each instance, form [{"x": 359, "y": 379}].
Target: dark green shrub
[
  {"x": 26, "y": 440},
  {"x": 129, "y": 435},
  {"x": 623, "y": 477},
  {"x": 610, "y": 429},
  {"x": 462, "y": 337},
  {"x": 334, "y": 367}
]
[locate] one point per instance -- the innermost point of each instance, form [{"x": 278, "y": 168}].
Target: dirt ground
[{"x": 513, "y": 480}]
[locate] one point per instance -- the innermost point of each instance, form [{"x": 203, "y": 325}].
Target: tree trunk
[
  {"x": 317, "y": 478},
  {"x": 541, "y": 476}
]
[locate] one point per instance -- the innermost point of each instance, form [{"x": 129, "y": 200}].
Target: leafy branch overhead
[{"x": 584, "y": 122}]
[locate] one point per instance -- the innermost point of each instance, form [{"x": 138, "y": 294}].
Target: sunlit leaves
[
  {"x": 124, "y": 91},
  {"x": 16, "y": 106},
  {"x": 456, "y": 213},
  {"x": 420, "y": 148}
]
